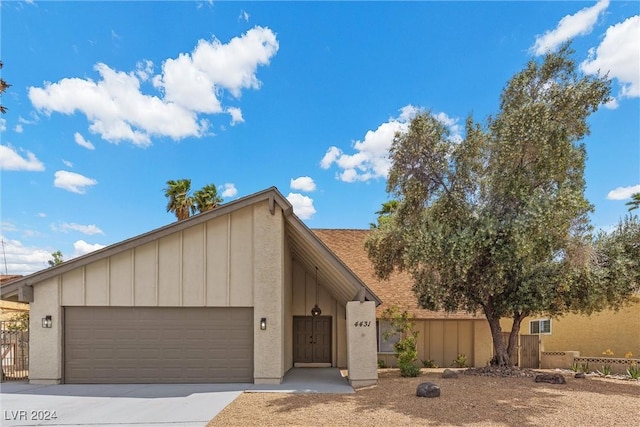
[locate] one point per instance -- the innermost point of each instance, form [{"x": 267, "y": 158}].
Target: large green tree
[
  {"x": 183, "y": 204},
  {"x": 498, "y": 222}
]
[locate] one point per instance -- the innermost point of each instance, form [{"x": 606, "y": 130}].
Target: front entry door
[{"x": 312, "y": 339}]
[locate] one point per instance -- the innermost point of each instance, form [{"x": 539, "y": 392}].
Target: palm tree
[
  {"x": 205, "y": 199},
  {"x": 635, "y": 202},
  {"x": 180, "y": 203},
  {"x": 3, "y": 86}
]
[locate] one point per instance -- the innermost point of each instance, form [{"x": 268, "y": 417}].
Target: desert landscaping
[{"x": 468, "y": 400}]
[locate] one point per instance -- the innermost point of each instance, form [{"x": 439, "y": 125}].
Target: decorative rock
[
  {"x": 448, "y": 373},
  {"x": 428, "y": 390},
  {"x": 580, "y": 375},
  {"x": 550, "y": 378}
]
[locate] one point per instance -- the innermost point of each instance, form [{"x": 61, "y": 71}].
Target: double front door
[{"x": 312, "y": 339}]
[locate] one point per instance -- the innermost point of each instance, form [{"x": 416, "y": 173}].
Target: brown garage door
[{"x": 158, "y": 345}]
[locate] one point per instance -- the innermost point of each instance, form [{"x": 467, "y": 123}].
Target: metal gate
[{"x": 14, "y": 340}]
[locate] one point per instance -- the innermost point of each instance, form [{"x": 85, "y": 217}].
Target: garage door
[{"x": 158, "y": 345}]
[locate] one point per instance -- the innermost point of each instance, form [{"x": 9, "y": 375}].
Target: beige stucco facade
[
  {"x": 250, "y": 254},
  {"x": 618, "y": 331}
]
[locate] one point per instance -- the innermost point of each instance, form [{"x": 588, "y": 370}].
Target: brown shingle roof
[{"x": 349, "y": 246}]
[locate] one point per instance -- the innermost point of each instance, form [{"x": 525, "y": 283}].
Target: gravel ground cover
[{"x": 469, "y": 400}]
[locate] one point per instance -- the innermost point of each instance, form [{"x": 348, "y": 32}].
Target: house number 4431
[{"x": 362, "y": 324}]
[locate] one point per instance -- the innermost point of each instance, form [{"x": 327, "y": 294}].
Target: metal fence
[{"x": 14, "y": 351}]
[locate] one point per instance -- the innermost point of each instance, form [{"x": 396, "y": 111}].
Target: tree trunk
[
  {"x": 513, "y": 336},
  {"x": 500, "y": 355}
]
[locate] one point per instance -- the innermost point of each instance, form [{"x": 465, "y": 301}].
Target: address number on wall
[{"x": 362, "y": 324}]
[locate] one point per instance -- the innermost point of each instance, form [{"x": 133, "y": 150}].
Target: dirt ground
[{"x": 464, "y": 401}]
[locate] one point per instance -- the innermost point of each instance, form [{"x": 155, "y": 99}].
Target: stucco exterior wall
[
  {"x": 443, "y": 340},
  {"x": 45, "y": 344},
  {"x": 592, "y": 335}
]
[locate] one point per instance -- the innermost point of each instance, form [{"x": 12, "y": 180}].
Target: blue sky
[{"x": 112, "y": 99}]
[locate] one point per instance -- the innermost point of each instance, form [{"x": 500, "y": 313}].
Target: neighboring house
[
  {"x": 224, "y": 296},
  {"x": 618, "y": 331},
  {"x": 441, "y": 336},
  {"x": 10, "y": 309}
]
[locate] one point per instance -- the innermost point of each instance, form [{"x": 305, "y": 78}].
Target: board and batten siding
[{"x": 207, "y": 265}]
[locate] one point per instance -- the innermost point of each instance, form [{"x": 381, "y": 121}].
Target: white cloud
[
  {"x": 67, "y": 163},
  {"x": 244, "y": 15},
  {"x": 578, "y": 24},
  {"x": 622, "y": 193},
  {"x": 83, "y": 142},
  {"x": 188, "y": 85},
  {"x": 619, "y": 55},
  {"x": 3, "y": 124},
  {"x": 42, "y": 215},
  {"x": 302, "y": 205},
  {"x": 23, "y": 259},
  {"x": 90, "y": 229},
  {"x": 229, "y": 190},
  {"x": 236, "y": 115},
  {"x": 73, "y": 182},
  {"x": 303, "y": 183},
  {"x": 82, "y": 248},
  {"x": 10, "y": 160},
  {"x": 371, "y": 157},
  {"x": 18, "y": 128}
]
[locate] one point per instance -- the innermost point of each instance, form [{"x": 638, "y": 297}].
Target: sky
[{"x": 110, "y": 100}]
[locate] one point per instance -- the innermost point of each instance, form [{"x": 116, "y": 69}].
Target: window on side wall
[
  {"x": 540, "y": 326},
  {"x": 386, "y": 337}
]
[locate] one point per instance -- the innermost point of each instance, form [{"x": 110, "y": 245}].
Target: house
[
  {"x": 10, "y": 310},
  {"x": 617, "y": 331},
  {"x": 441, "y": 336},
  {"x": 224, "y": 296}
]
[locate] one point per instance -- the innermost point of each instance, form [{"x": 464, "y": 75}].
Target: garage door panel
[{"x": 158, "y": 345}]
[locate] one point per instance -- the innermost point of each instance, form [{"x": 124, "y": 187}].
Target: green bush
[
  {"x": 408, "y": 370},
  {"x": 429, "y": 364},
  {"x": 634, "y": 371},
  {"x": 460, "y": 361},
  {"x": 381, "y": 364}
]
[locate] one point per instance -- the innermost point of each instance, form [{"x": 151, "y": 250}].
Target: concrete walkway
[{"x": 145, "y": 405}]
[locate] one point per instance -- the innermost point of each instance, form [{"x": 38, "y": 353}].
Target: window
[
  {"x": 541, "y": 326},
  {"x": 385, "y": 345}
]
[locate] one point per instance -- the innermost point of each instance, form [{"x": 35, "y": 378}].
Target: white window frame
[
  {"x": 541, "y": 328},
  {"x": 385, "y": 346}
]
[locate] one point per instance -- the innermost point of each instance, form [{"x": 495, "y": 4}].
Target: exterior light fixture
[
  {"x": 263, "y": 324},
  {"x": 47, "y": 322},
  {"x": 315, "y": 311}
]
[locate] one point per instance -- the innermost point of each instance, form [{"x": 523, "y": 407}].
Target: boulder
[
  {"x": 448, "y": 373},
  {"x": 550, "y": 378},
  {"x": 580, "y": 375},
  {"x": 428, "y": 390}
]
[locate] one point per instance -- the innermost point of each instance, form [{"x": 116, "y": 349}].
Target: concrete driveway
[
  {"x": 138, "y": 405},
  {"x": 145, "y": 405}
]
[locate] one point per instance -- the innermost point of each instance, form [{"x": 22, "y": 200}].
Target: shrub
[
  {"x": 381, "y": 364},
  {"x": 405, "y": 349},
  {"x": 429, "y": 363},
  {"x": 460, "y": 361},
  {"x": 408, "y": 370},
  {"x": 634, "y": 371}
]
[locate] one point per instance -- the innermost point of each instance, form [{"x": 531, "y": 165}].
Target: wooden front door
[{"x": 312, "y": 339}]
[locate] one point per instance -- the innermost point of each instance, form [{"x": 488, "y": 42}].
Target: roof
[
  {"x": 305, "y": 246},
  {"x": 349, "y": 246}
]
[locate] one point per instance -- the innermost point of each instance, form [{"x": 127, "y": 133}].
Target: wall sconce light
[
  {"x": 263, "y": 324},
  {"x": 47, "y": 322}
]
